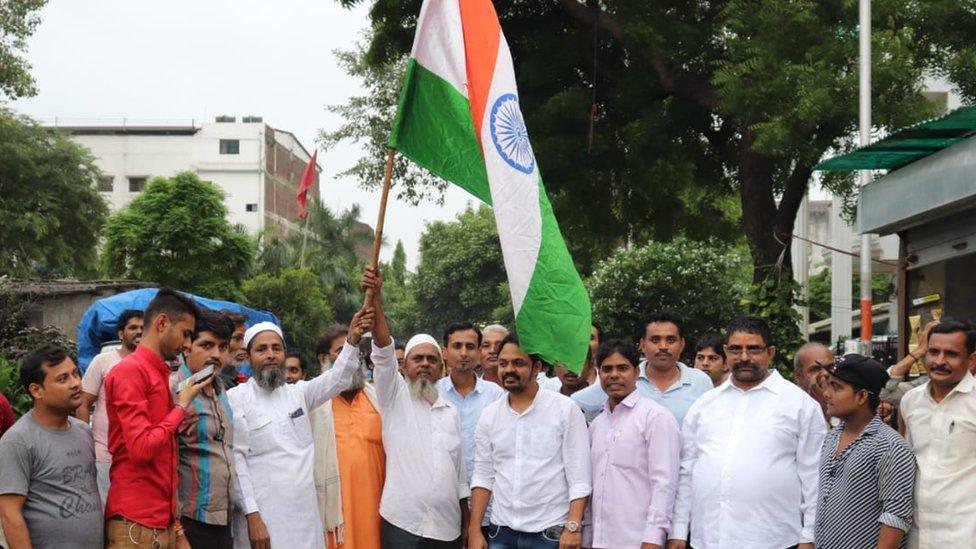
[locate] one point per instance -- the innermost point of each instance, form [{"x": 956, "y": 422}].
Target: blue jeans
[{"x": 502, "y": 537}]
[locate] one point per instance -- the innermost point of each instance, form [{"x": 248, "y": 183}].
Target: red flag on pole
[{"x": 308, "y": 179}]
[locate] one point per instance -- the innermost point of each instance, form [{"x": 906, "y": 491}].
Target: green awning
[{"x": 908, "y": 144}]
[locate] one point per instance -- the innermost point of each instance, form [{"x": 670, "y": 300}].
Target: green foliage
[
  {"x": 18, "y": 20},
  {"x": 295, "y": 296},
  {"x": 16, "y": 340},
  {"x": 819, "y": 292},
  {"x": 175, "y": 233},
  {"x": 11, "y": 387},
  {"x": 698, "y": 281},
  {"x": 695, "y": 105},
  {"x": 398, "y": 266},
  {"x": 330, "y": 252},
  {"x": 460, "y": 276},
  {"x": 773, "y": 302},
  {"x": 52, "y": 212}
]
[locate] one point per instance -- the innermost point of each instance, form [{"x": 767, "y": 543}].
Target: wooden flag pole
[{"x": 381, "y": 218}]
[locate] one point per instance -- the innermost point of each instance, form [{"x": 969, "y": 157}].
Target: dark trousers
[
  {"x": 503, "y": 537},
  {"x": 207, "y": 536},
  {"x": 398, "y": 538}
]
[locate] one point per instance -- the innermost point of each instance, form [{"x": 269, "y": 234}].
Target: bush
[
  {"x": 699, "y": 281},
  {"x": 295, "y": 296}
]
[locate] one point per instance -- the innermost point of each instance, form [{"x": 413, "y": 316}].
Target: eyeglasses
[{"x": 751, "y": 350}]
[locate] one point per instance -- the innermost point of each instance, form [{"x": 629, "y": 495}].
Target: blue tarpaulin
[{"x": 97, "y": 326}]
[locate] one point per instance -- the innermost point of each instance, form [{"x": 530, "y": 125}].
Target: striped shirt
[
  {"x": 205, "y": 463},
  {"x": 870, "y": 483}
]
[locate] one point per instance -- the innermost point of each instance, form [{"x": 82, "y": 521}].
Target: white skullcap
[
  {"x": 420, "y": 339},
  {"x": 261, "y": 327}
]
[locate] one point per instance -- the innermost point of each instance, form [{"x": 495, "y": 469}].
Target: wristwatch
[{"x": 572, "y": 527}]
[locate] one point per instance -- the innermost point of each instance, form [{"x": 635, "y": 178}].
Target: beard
[
  {"x": 358, "y": 380},
  {"x": 270, "y": 377},
  {"x": 423, "y": 389}
]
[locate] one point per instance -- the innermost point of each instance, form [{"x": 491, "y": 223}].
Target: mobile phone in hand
[{"x": 201, "y": 376}]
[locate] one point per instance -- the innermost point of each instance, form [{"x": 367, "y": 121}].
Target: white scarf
[{"x": 325, "y": 467}]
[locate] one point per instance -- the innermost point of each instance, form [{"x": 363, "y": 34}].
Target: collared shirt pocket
[
  {"x": 261, "y": 433},
  {"x": 961, "y": 440},
  {"x": 301, "y": 428},
  {"x": 626, "y": 446}
]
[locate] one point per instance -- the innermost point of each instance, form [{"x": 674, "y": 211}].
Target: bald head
[{"x": 810, "y": 364}]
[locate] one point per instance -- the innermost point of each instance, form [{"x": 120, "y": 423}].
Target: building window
[
  {"x": 136, "y": 184},
  {"x": 105, "y": 183},
  {"x": 230, "y": 146},
  {"x": 251, "y": 207}
]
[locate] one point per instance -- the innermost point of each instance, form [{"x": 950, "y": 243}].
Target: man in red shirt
[{"x": 143, "y": 420}]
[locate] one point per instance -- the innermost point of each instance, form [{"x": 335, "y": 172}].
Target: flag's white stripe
[
  {"x": 438, "y": 44},
  {"x": 514, "y": 194}
]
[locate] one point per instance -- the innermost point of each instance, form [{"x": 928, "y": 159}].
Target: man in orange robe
[{"x": 350, "y": 466}]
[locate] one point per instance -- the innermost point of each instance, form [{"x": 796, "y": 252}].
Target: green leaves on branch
[
  {"x": 774, "y": 303},
  {"x": 460, "y": 276},
  {"x": 52, "y": 213},
  {"x": 295, "y": 296},
  {"x": 175, "y": 233},
  {"x": 700, "y": 282},
  {"x": 18, "y": 20}
]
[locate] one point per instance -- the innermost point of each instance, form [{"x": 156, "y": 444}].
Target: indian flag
[{"x": 459, "y": 117}]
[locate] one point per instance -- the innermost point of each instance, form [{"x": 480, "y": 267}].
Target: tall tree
[
  {"x": 646, "y": 116},
  {"x": 176, "y": 233},
  {"x": 332, "y": 250},
  {"x": 52, "y": 211},
  {"x": 460, "y": 275},
  {"x": 18, "y": 20},
  {"x": 398, "y": 265}
]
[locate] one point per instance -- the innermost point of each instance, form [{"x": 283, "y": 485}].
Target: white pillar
[
  {"x": 800, "y": 252},
  {"x": 841, "y": 275}
]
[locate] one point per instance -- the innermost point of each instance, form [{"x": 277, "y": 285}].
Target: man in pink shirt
[
  {"x": 129, "y": 327},
  {"x": 635, "y": 452}
]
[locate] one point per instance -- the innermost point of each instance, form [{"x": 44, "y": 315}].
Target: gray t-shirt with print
[{"x": 55, "y": 470}]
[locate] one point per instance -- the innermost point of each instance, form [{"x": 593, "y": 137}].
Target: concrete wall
[{"x": 264, "y": 175}]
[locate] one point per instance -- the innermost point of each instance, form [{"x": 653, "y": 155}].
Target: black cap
[{"x": 860, "y": 371}]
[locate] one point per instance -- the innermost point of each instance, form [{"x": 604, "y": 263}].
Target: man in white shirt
[
  {"x": 425, "y": 497},
  {"x": 129, "y": 331},
  {"x": 273, "y": 452},
  {"x": 940, "y": 421},
  {"x": 750, "y": 457},
  {"x": 532, "y": 458},
  {"x": 465, "y": 390}
]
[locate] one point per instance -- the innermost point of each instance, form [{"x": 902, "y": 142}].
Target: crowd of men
[{"x": 473, "y": 441}]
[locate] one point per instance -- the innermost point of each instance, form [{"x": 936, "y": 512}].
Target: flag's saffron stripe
[{"x": 481, "y": 36}]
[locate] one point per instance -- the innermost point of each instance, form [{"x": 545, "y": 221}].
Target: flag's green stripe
[
  {"x": 433, "y": 127},
  {"x": 554, "y": 321}
]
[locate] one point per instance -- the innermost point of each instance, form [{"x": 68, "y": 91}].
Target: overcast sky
[{"x": 193, "y": 59}]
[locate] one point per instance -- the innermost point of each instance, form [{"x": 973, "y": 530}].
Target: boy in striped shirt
[
  {"x": 867, "y": 471},
  {"x": 205, "y": 463}
]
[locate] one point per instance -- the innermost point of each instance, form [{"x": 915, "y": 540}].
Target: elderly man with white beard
[
  {"x": 273, "y": 451},
  {"x": 425, "y": 498}
]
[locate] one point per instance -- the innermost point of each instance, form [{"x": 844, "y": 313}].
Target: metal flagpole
[{"x": 864, "y": 111}]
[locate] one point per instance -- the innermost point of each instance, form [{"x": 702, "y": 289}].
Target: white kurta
[
  {"x": 425, "y": 473},
  {"x": 273, "y": 455}
]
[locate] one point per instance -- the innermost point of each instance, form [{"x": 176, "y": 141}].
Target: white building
[{"x": 258, "y": 167}]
